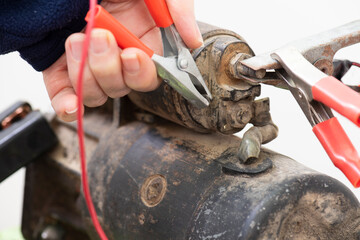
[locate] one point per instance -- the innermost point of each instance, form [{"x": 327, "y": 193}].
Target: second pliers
[{"x": 316, "y": 94}]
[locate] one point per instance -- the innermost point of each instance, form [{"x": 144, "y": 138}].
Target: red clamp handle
[
  {"x": 159, "y": 12},
  {"x": 339, "y": 97},
  {"x": 123, "y": 36},
  {"x": 339, "y": 148}
]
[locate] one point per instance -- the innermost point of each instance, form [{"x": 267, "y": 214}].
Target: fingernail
[
  {"x": 200, "y": 38},
  {"x": 76, "y": 48},
  {"x": 71, "y": 111},
  {"x": 201, "y": 41},
  {"x": 99, "y": 41},
  {"x": 131, "y": 63}
]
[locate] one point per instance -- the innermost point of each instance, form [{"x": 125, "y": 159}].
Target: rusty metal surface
[
  {"x": 52, "y": 184},
  {"x": 153, "y": 190},
  {"x": 163, "y": 181},
  {"x": 50, "y": 199},
  {"x": 232, "y": 107},
  {"x": 203, "y": 201},
  {"x": 154, "y": 174},
  {"x": 318, "y": 49}
]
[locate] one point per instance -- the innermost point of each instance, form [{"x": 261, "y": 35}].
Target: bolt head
[{"x": 183, "y": 63}]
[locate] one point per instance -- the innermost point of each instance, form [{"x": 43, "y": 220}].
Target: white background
[{"x": 266, "y": 25}]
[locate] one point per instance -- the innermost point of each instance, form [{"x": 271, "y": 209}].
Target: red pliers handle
[
  {"x": 125, "y": 39},
  {"x": 160, "y": 13},
  {"x": 177, "y": 68},
  {"x": 317, "y": 94},
  {"x": 336, "y": 95}
]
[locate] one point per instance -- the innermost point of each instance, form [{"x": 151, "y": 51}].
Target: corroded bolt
[
  {"x": 325, "y": 66},
  {"x": 153, "y": 190},
  {"x": 237, "y": 69}
]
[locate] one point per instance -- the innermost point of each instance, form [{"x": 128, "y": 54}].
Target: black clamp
[{"x": 24, "y": 136}]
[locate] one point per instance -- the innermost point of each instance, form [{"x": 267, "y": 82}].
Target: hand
[{"x": 110, "y": 71}]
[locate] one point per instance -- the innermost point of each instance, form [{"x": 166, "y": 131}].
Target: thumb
[
  {"x": 60, "y": 90},
  {"x": 65, "y": 104}
]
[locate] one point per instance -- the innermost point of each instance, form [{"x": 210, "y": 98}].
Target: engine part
[
  {"x": 233, "y": 104},
  {"x": 162, "y": 178},
  {"x": 163, "y": 181}
]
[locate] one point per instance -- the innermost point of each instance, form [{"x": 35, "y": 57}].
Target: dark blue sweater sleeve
[{"x": 38, "y": 28}]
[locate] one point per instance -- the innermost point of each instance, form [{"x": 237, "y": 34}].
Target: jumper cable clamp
[
  {"x": 305, "y": 68},
  {"x": 318, "y": 93}
]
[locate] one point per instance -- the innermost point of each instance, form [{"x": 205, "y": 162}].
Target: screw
[
  {"x": 244, "y": 70},
  {"x": 300, "y": 95},
  {"x": 52, "y": 232},
  {"x": 183, "y": 63},
  {"x": 236, "y": 67}
]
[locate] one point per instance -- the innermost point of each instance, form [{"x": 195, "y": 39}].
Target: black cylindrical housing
[{"x": 167, "y": 182}]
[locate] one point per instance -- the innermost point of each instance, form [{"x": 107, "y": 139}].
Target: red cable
[
  {"x": 356, "y": 64},
  {"x": 79, "y": 91}
]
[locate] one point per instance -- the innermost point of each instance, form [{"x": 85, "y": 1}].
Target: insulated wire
[
  {"x": 356, "y": 64},
  {"x": 80, "y": 132}
]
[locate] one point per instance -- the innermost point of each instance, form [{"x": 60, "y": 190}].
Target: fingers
[
  {"x": 117, "y": 73},
  {"x": 60, "y": 90},
  {"x": 183, "y": 15},
  {"x": 109, "y": 72},
  {"x": 65, "y": 104},
  {"x": 105, "y": 63},
  {"x": 139, "y": 71},
  {"x": 93, "y": 95}
]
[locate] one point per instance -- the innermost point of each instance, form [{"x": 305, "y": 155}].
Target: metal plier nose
[
  {"x": 177, "y": 67},
  {"x": 318, "y": 93}
]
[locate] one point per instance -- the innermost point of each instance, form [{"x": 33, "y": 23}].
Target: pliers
[
  {"x": 177, "y": 67},
  {"x": 318, "y": 93},
  {"x": 296, "y": 67}
]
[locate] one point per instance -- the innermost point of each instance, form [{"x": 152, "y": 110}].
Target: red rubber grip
[
  {"x": 339, "y": 148},
  {"x": 124, "y": 37},
  {"x": 160, "y": 12},
  {"x": 339, "y": 97}
]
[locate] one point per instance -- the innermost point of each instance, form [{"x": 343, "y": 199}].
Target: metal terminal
[
  {"x": 238, "y": 70},
  {"x": 321, "y": 46},
  {"x": 17, "y": 115}
]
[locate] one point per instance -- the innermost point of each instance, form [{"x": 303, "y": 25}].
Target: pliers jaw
[
  {"x": 300, "y": 77},
  {"x": 177, "y": 67},
  {"x": 314, "y": 111},
  {"x": 179, "y": 80},
  {"x": 193, "y": 87}
]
